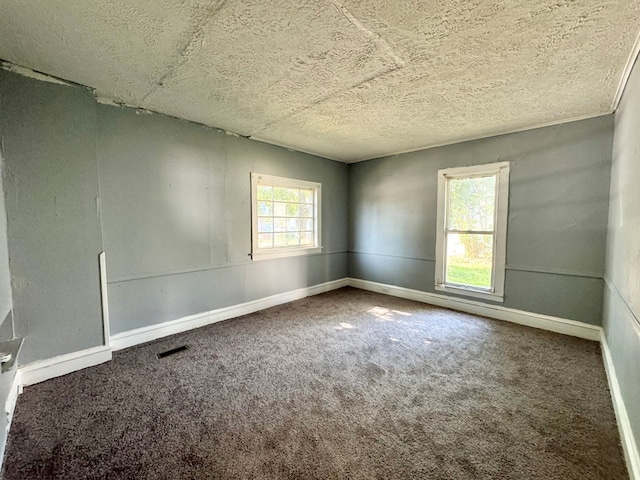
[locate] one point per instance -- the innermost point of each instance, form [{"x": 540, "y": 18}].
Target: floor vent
[{"x": 172, "y": 351}]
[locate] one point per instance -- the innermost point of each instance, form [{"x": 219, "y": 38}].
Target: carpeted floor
[{"x": 344, "y": 385}]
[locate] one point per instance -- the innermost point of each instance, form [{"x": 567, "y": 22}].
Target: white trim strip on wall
[
  {"x": 498, "y": 312},
  {"x": 153, "y": 332},
  {"x": 104, "y": 297}
]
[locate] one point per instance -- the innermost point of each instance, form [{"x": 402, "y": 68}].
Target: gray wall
[
  {"x": 51, "y": 187},
  {"x": 558, "y": 203},
  {"x": 170, "y": 200},
  {"x": 622, "y": 292},
  {"x": 176, "y": 218},
  {"x": 6, "y": 305},
  {"x": 6, "y": 295}
]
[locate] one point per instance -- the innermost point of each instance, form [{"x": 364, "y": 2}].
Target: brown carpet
[{"x": 344, "y": 385}]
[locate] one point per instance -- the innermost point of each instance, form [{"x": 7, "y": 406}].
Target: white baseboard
[
  {"x": 61, "y": 365},
  {"x": 631, "y": 453},
  {"x": 42, "y": 370},
  {"x": 9, "y": 407},
  {"x": 536, "y": 320},
  {"x": 153, "y": 332},
  {"x": 12, "y": 398}
]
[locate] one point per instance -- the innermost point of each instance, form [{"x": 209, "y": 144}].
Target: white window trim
[
  {"x": 265, "y": 254},
  {"x": 500, "y": 231}
]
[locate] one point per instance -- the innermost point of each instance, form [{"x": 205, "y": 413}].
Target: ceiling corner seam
[{"x": 626, "y": 73}]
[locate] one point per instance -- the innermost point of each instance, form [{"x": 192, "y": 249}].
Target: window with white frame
[
  {"x": 285, "y": 216},
  {"x": 471, "y": 231}
]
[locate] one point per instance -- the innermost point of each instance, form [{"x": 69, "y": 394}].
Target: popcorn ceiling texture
[{"x": 344, "y": 79}]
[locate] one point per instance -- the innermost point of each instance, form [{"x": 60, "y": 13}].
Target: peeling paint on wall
[{"x": 109, "y": 101}]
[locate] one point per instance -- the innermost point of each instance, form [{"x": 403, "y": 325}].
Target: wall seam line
[
  {"x": 516, "y": 268},
  {"x": 144, "y": 276},
  {"x": 612, "y": 286}
]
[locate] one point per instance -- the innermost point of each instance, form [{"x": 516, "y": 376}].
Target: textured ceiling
[{"x": 343, "y": 79}]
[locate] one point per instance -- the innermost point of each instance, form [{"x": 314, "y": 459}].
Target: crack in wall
[
  {"x": 397, "y": 63},
  {"x": 195, "y": 40}
]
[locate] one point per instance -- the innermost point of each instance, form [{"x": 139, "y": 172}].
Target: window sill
[
  {"x": 470, "y": 292},
  {"x": 285, "y": 252}
]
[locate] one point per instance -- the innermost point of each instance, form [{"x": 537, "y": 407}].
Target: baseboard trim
[
  {"x": 12, "y": 398},
  {"x": 42, "y": 370},
  {"x": 9, "y": 407},
  {"x": 629, "y": 446},
  {"x": 153, "y": 332},
  {"x": 498, "y": 312}
]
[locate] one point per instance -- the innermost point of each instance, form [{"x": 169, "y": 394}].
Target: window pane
[
  {"x": 265, "y": 193},
  {"x": 265, "y": 209},
  {"x": 280, "y": 209},
  {"x": 306, "y": 195},
  {"x": 280, "y": 224},
  {"x": 286, "y": 194},
  {"x": 306, "y": 224},
  {"x": 287, "y": 224},
  {"x": 286, "y": 239},
  {"x": 306, "y": 238},
  {"x": 265, "y": 224},
  {"x": 469, "y": 259},
  {"x": 265, "y": 240},
  {"x": 292, "y": 209},
  {"x": 293, "y": 238},
  {"x": 472, "y": 203},
  {"x": 306, "y": 210},
  {"x": 293, "y": 225}
]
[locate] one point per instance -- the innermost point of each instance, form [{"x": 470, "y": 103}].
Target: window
[
  {"x": 472, "y": 230},
  {"x": 285, "y": 217}
]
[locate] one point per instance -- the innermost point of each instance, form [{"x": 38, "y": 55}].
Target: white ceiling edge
[
  {"x": 626, "y": 73},
  {"x": 34, "y": 74},
  {"x": 493, "y": 134},
  {"x": 297, "y": 149}
]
